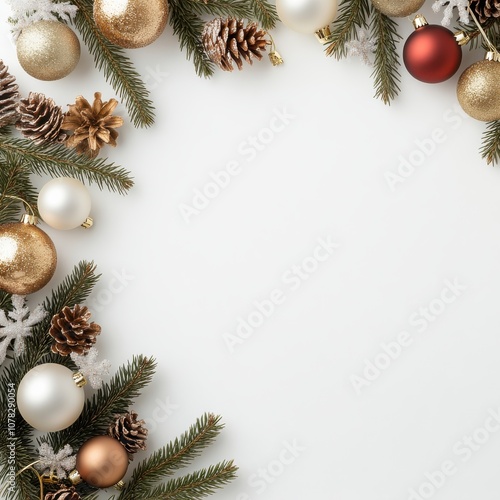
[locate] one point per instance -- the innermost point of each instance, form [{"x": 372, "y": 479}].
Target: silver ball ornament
[
  {"x": 49, "y": 399},
  {"x": 307, "y": 16},
  {"x": 64, "y": 203}
]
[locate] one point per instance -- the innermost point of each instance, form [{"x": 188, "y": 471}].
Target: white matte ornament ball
[
  {"x": 307, "y": 16},
  {"x": 49, "y": 399},
  {"x": 64, "y": 203}
]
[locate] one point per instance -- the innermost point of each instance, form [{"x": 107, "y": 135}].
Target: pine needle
[
  {"x": 220, "y": 8},
  {"x": 265, "y": 13},
  {"x": 116, "y": 66},
  {"x": 386, "y": 73},
  {"x": 490, "y": 149}
]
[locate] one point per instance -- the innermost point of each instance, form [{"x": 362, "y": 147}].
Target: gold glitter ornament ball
[
  {"x": 478, "y": 91},
  {"x": 398, "y": 8},
  {"x": 28, "y": 258},
  {"x": 131, "y": 24},
  {"x": 48, "y": 50}
]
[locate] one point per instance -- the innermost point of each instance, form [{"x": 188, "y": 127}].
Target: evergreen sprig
[
  {"x": 222, "y": 8},
  {"x": 386, "y": 72},
  {"x": 353, "y": 14},
  {"x": 57, "y": 160},
  {"x": 177, "y": 454},
  {"x": 116, "y": 66},
  {"x": 265, "y": 13},
  {"x": 490, "y": 149}
]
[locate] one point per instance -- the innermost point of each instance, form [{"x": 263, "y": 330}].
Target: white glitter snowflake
[
  {"x": 361, "y": 47},
  {"x": 90, "y": 368},
  {"x": 59, "y": 463},
  {"x": 16, "y": 325},
  {"x": 462, "y": 6},
  {"x": 26, "y": 12}
]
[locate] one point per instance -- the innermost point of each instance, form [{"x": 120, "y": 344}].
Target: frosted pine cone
[
  {"x": 129, "y": 431},
  {"x": 9, "y": 96},
  {"x": 228, "y": 40},
  {"x": 63, "y": 494},
  {"x": 72, "y": 331},
  {"x": 486, "y": 9},
  {"x": 40, "y": 119}
]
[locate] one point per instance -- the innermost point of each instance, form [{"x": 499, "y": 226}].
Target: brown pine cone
[
  {"x": 72, "y": 331},
  {"x": 9, "y": 96},
  {"x": 40, "y": 119},
  {"x": 93, "y": 126},
  {"x": 63, "y": 494},
  {"x": 486, "y": 9},
  {"x": 228, "y": 40},
  {"x": 129, "y": 431}
]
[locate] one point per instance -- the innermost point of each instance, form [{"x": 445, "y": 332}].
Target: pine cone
[
  {"x": 40, "y": 119},
  {"x": 9, "y": 96},
  {"x": 486, "y": 9},
  {"x": 129, "y": 431},
  {"x": 93, "y": 126},
  {"x": 63, "y": 494},
  {"x": 72, "y": 331},
  {"x": 228, "y": 40}
]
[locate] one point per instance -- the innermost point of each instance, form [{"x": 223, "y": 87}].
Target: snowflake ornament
[
  {"x": 59, "y": 463},
  {"x": 461, "y": 5},
  {"x": 90, "y": 368},
  {"x": 16, "y": 325},
  {"x": 26, "y": 12},
  {"x": 361, "y": 47}
]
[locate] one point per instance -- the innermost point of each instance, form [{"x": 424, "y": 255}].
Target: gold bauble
[
  {"x": 28, "y": 258},
  {"x": 131, "y": 24},
  {"x": 398, "y": 8},
  {"x": 478, "y": 91},
  {"x": 48, "y": 50},
  {"x": 102, "y": 461}
]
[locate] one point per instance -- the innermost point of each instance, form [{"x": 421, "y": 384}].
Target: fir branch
[
  {"x": 220, "y": 8},
  {"x": 194, "y": 486},
  {"x": 188, "y": 27},
  {"x": 386, "y": 73},
  {"x": 265, "y": 13},
  {"x": 116, "y": 66},
  {"x": 58, "y": 161},
  {"x": 490, "y": 149},
  {"x": 353, "y": 14},
  {"x": 173, "y": 456},
  {"x": 113, "y": 398}
]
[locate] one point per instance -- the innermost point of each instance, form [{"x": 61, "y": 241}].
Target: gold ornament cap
[
  {"x": 462, "y": 38},
  {"x": 74, "y": 477},
  {"x": 89, "y": 222},
  {"x": 324, "y": 35},
  {"x": 492, "y": 56},
  {"x": 419, "y": 22},
  {"x": 275, "y": 58},
  {"x": 29, "y": 219},
  {"x": 79, "y": 379}
]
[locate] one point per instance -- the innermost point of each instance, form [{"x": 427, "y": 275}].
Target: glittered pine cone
[
  {"x": 40, "y": 119},
  {"x": 129, "y": 431},
  {"x": 72, "y": 331},
  {"x": 92, "y": 126},
  {"x": 486, "y": 9},
  {"x": 63, "y": 494},
  {"x": 9, "y": 96},
  {"x": 228, "y": 40}
]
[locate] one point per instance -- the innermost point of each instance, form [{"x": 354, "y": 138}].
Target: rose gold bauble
[
  {"x": 102, "y": 462},
  {"x": 28, "y": 258},
  {"x": 131, "y": 24},
  {"x": 478, "y": 90},
  {"x": 398, "y": 8}
]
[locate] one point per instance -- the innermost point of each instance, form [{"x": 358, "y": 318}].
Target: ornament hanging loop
[
  {"x": 32, "y": 217},
  {"x": 24, "y": 469},
  {"x": 491, "y": 47}
]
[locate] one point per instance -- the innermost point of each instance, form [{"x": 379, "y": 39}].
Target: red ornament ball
[{"x": 431, "y": 54}]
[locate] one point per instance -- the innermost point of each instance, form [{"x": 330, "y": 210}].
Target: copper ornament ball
[
  {"x": 431, "y": 54},
  {"x": 48, "y": 50},
  {"x": 28, "y": 258},
  {"x": 478, "y": 91},
  {"x": 102, "y": 462},
  {"x": 131, "y": 24},
  {"x": 398, "y": 8}
]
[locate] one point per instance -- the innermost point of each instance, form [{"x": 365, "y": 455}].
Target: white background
[{"x": 323, "y": 176}]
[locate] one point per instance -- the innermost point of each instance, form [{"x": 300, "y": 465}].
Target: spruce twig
[
  {"x": 386, "y": 74},
  {"x": 195, "y": 486},
  {"x": 353, "y": 14},
  {"x": 265, "y": 13},
  {"x": 188, "y": 27},
  {"x": 116, "y": 66},
  {"x": 220, "y": 8},
  {"x": 177, "y": 454},
  {"x": 490, "y": 149},
  {"x": 56, "y": 160}
]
